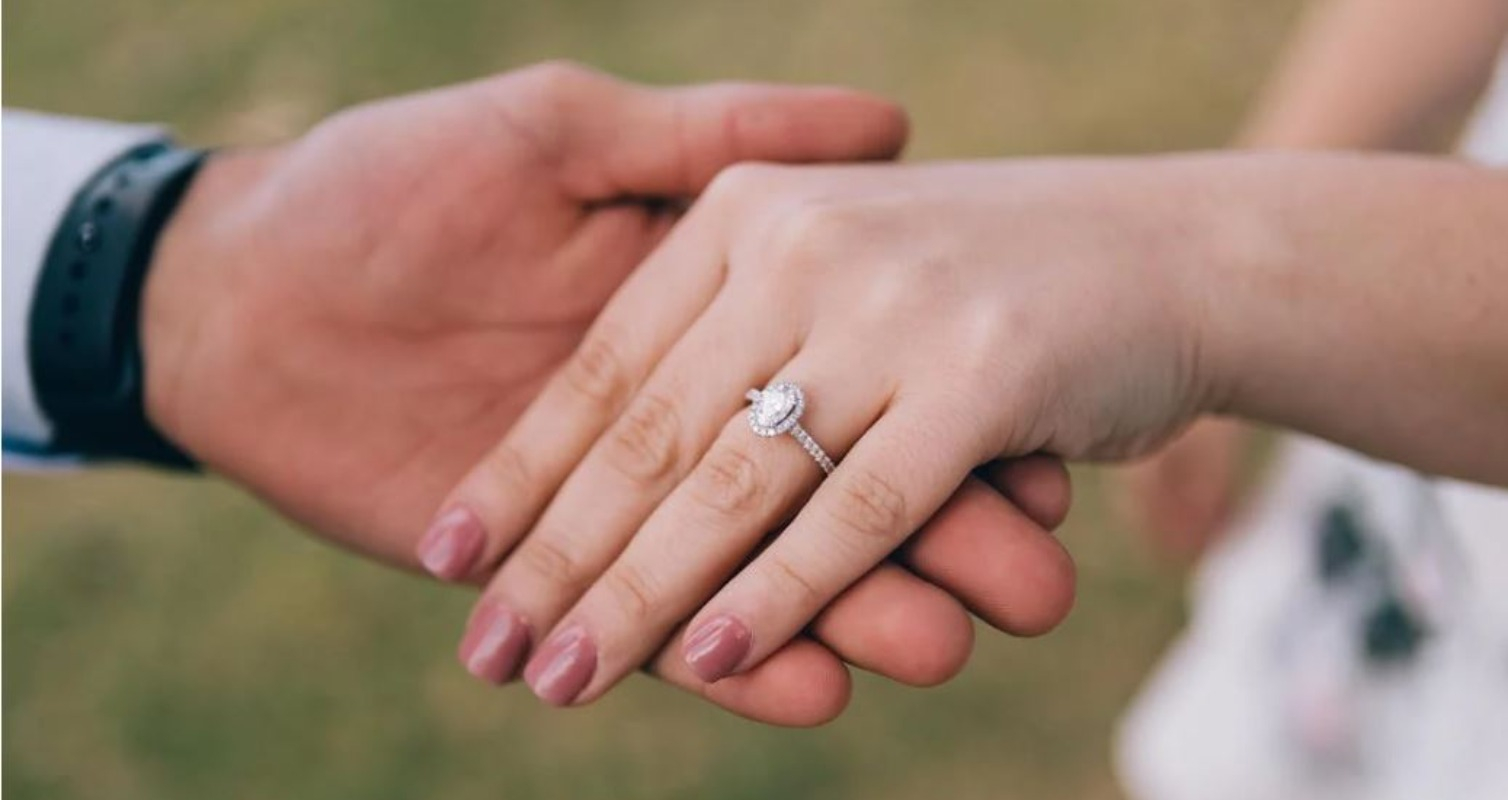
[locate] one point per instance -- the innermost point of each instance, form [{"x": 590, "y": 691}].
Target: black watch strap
[{"x": 85, "y": 333}]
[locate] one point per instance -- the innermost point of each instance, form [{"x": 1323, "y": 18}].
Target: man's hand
[{"x": 344, "y": 324}]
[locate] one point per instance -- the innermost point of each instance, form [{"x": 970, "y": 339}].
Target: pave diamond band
[
  {"x": 814, "y": 450},
  {"x": 777, "y": 409}
]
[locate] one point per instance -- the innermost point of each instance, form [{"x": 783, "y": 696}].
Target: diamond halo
[{"x": 776, "y": 409}]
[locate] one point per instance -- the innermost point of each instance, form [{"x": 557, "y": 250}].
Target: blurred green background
[{"x": 169, "y": 638}]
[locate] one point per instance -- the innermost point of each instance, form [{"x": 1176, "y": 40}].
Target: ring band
[{"x": 777, "y": 409}]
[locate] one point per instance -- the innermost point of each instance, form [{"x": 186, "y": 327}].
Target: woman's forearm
[
  {"x": 1363, "y": 299},
  {"x": 1379, "y": 74}
]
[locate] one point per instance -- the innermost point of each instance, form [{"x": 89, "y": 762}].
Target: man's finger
[
  {"x": 619, "y": 139},
  {"x": 801, "y": 685},
  {"x": 900, "y": 626},
  {"x": 1001, "y": 564},
  {"x": 1038, "y": 484}
]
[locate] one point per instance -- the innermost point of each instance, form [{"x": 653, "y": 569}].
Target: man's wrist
[
  {"x": 84, "y": 347},
  {"x": 188, "y": 284}
]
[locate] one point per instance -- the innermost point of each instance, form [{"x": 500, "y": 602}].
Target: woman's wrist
[
  {"x": 1359, "y": 298},
  {"x": 1230, "y": 241},
  {"x": 1202, "y": 236}
]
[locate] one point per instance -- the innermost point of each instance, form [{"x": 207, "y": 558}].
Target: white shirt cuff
[{"x": 48, "y": 159}]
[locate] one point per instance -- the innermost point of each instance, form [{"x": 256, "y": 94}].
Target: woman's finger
[
  {"x": 497, "y": 502},
  {"x": 640, "y": 459},
  {"x": 910, "y": 627},
  {"x": 893, "y": 480},
  {"x": 740, "y": 490},
  {"x": 892, "y": 622},
  {"x": 801, "y": 685}
]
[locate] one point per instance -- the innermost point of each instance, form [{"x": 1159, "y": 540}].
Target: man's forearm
[
  {"x": 1364, "y": 299},
  {"x": 52, "y": 157}
]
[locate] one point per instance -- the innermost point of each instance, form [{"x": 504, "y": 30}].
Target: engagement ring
[{"x": 777, "y": 409}]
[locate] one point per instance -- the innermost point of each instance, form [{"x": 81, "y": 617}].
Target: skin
[
  {"x": 944, "y": 315},
  {"x": 344, "y": 323},
  {"x": 1179, "y": 497},
  {"x": 1361, "y": 75}
]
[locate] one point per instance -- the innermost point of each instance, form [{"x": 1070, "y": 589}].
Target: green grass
[{"x": 168, "y": 638}]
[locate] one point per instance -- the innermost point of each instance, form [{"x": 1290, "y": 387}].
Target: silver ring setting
[{"x": 776, "y": 409}]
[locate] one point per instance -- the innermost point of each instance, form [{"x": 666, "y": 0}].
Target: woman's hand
[{"x": 937, "y": 317}]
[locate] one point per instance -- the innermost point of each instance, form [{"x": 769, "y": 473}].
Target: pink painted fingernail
[
  {"x": 452, "y": 544},
  {"x": 716, "y": 648},
  {"x": 495, "y": 641},
  {"x": 563, "y": 667}
]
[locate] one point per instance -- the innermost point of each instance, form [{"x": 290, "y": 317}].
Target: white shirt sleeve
[
  {"x": 47, "y": 160},
  {"x": 1486, "y": 139}
]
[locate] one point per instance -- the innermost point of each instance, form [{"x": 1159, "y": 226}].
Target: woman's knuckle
[
  {"x": 790, "y": 580},
  {"x": 632, "y": 592},
  {"x": 729, "y": 482},
  {"x": 815, "y": 232},
  {"x": 869, "y": 506},
  {"x": 596, "y": 371},
  {"x": 740, "y": 183},
  {"x": 508, "y": 469},
  {"x": 549, "y": 562},
  {"x": 643, "y": 446}
]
